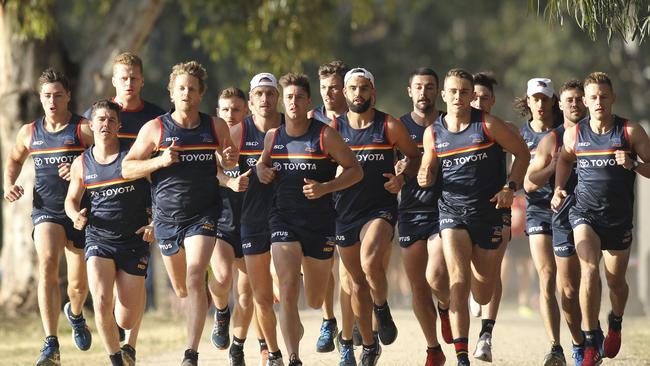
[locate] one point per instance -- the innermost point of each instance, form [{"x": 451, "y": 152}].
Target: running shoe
[
  {"x": 370, "y": 355},
  {"x": 236, "y": 356},
  {"x": 191, "y": 358},
  {"x": 220, "y": 330},
  {"x": 328, "y": 331},
  {"x": 387, "y": 328},
  {"x": 80, "y": 332},
  {"x": 435, "y": 358},
  {"x": 578, "y": 354},
  {"x": 483, "y": 349},
  {"x": 50, "y": 355},
  {"x": 128, "y": 355}
]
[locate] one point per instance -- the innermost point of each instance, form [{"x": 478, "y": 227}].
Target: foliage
[
  {"x": 32, "y": 18},
  {"x": 628, "y": 18}
]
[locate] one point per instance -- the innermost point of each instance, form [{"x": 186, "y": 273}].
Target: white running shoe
[{"x": 483, "y": 350}]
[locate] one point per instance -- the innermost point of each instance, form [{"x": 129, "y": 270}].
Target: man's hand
[
  {"x": 313, "y": 189},
  {"x": 623, "y": 159},
  {"x": 503, "y": 198},
  {"x": 229, "y": 156},
  {"x": 147, "y": 233},
  {"x": 265, "y": 174},
  {"x": 13, "y": 193},
  {"x": 425, "y": 178},
  {"x": 170, "y": 155},
  {"x": 81, "y": 220},
  {"x": 394, "y": 183},
  {"x": 558, "y": 197},
  {"x": 64, "y": 171},
  {"x": 240, "y": 184}
]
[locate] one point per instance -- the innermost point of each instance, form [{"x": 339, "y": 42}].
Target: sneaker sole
[{"x": 483, "y": 357}]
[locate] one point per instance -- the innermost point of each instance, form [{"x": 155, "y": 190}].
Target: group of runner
[{"x": 272, "y": 199}]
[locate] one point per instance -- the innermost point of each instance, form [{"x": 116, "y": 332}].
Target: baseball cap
[
  {"x": 359, "y": 71},
  {"x": 540, "y": 85},
  {"x": 264, "y": 79}
]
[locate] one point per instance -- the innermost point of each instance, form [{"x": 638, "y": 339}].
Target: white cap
[
  {"x": 264, "y": 79},
  {"x": 540, "y": 85},
  {"x": 359, "y": 71}
]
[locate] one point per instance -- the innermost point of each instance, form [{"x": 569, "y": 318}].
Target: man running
[
  {"x": 606, "y": 148},
  {"x": 541, "y": 170},
  {"x": 367, "y": 211},
  {"x": 484, "y": 99},
  {"x": 54, "y": 141},
  {"x": 117, "y": 230},
  {"x": 302, "y": 157},
  {"x": 183, "y": 144},
  {"x": 540, "y": 105},
  {"x": 466, "y": 141},
  {"x": 418, "y": 225},
  {"x": 128, "y": 80},
  {"x": 232, "y": 109}
]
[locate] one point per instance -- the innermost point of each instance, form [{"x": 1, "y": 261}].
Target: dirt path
[{"x": 517, "y": 341}]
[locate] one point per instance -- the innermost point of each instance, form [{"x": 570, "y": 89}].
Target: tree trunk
[{"x": 21, "y": 63}]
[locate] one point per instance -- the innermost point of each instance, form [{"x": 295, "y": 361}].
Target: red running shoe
[
  {"x": 612, "y": 343},
  {"x": 592, "y": 357},
  {"x": 435, "y": 358}
]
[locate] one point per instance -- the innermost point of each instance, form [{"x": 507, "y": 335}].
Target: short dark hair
[
  {"x": 485, "y": 79},
  {"x": 424, "y": 71},
  {"x": 300, "y": 80},
  {"x": 572, "y": 84},
  {"x": 336, "y": 67},
  {"x": 105, "y": 104},
  {"x": 598, "y": 78},
  {"x": 232, "y": 92},
  {"x": 51, "y": 75},
  {"x": 460, "y": 73}
]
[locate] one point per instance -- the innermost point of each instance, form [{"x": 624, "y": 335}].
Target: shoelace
[
  {"x": 325, "y": 331},
  {"x": 347, "y": 353}
]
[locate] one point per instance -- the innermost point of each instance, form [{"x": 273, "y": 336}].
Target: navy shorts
[
  {"x": 77, "y": 237},
  {"x": 255, "y": 238},
  {"x": 417, "y": 226},
  {"x": 563, "y": 245},
  {"x": 131, "y": 258},
  {"x": 170, "y": 236},
  {"x": 485, "y": 232},
  {"x": 228, "y": 224},
  {"x": 315, "y": 233},
  {"x": 538, "y": 221},
  {"x": 349, "y": 233},
  {"x": 611, "y": 237}
]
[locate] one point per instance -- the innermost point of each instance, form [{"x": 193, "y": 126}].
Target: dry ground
[{"x": 517, "y": 341}]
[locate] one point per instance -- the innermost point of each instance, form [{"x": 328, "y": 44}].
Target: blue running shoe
[
  {"x": 600, "y": 341},
  {"x": 346, "y": 350},
  {"x": 220, "y": 331},
  {"x": 578, "y": 354},
  {"x": 50, "y": 355},
  {"x": 80, "y": 332},
  {"x": 328, "y": 331}
]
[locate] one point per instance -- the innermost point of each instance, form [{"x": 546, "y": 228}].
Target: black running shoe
[
  {"x": 370, "y": 355},
  {"x": 220, "y": 331},
  {"x": 191, "y": 358},
  {"x": 236, "y": 356},
  {"x": 294, "y": 360},
  {"x": 357, "y": 340},
  {"x": 80, "y": 332},
  {"x": 50, "y": 355},
  {"x": 387, "y": 329},
  {"x": 128, "y": 355}
]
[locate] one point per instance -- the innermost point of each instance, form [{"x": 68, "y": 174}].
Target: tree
[
  {"x": 30, "y": 42},
  {"x": 628, "y": 18}
]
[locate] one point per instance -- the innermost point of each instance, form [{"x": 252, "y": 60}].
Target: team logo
[
  {"x": 442, "y": 145},
  {"x": 414, "y": 137},
  {"x": 309, "y": 147},
  {"x": 68, "y": 140},
  {"x": 584, "y": 144},
  {"x": 447, "y": 163},
  {"x": 277, "y": 166},
  {"x": 476, "y": 138},
  {"x": 529, "y": 144},
  {"x": 251, "y": 161},
  {"x": 346, "y": 139},
  {"x": 38, "y": 142},
  {"x": 207, "y": 226},
  {"x": 171, "y": 139},
  {"x": 541, "y": 84},
  {"x": 91, "y": 176},
  {"x": 251, "y": 143},
  {"x": 206, "y": 137},
  {"x": 38, "y": 161},
  {"x": 377, "y": 137},
  {"x": 616, "y": 142},
  {"x": 278, "y": 147}
]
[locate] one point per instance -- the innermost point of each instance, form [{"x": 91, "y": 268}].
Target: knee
[
  {"x": 195, "y": 279},
  {"x": 103, "y": 304},
  {"x": 438, "y": 281},
  {"x": 49, "y": 271},
  {"x": 547, "y": 280},
  {"x": 589, "y": 272},
  {"x": 616, "y": 283},
  {"x": 126, "y": 322},
  {"x": 373, "y": 269},
  {"x": 245, "y": 299}
]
